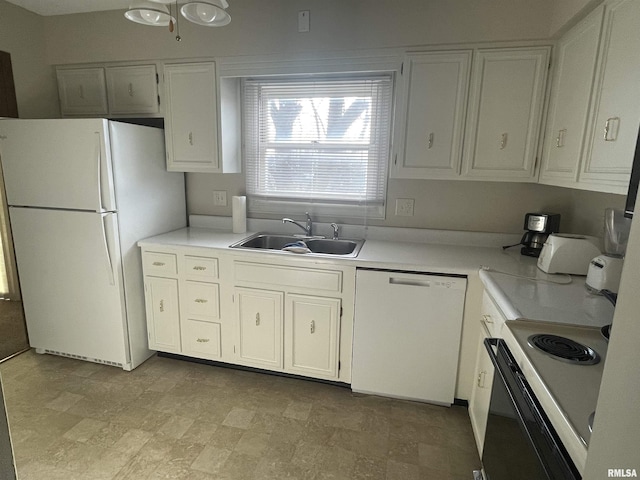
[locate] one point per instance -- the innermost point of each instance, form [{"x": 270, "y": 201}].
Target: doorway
[{"x": 13, "y": 331}]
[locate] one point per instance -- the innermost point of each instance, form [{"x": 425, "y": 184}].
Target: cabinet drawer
[
  {"x": 202, "y": 267},
  {"x": 159, "y": 263},
  {"x": 201, "y": 339},
  {"x": 313, "y": 279},
  {"x": 492, "y": 316},
  {"x": 202, "y": 299}
]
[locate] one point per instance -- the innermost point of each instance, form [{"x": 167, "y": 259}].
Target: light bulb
[
  {"x": 150, "y": 16},
  {"x": 206, "y": 13}
]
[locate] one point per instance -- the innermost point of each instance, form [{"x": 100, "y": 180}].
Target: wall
[
  {"x": 615, "y": 439},
  {"x": 353, "y": 24},
  {"x": 22, "y": 35},
  {"x": 566, "y": 13}
]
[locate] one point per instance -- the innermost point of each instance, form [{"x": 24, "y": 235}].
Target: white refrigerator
[{"x": 81, "y": 193}]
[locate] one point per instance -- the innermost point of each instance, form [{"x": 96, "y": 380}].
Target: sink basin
[{"x": 318, "y": 246}]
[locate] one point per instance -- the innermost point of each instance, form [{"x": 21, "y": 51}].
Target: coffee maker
[{"x": 537, "y": 228}]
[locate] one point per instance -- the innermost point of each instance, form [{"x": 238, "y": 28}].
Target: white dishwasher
[{"x": 406, "y": 337}]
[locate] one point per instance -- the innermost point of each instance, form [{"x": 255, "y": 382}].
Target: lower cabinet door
[
  {"x": 260, "y": 327},
  {"x": 163, "y": 314},
  {"x": 311, "y": 336},
  {"x": 201, "y": 339},
  {"x": 481, "y": 393}
]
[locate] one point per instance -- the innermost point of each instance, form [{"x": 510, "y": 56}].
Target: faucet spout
[{"x": 307, "y": 228}]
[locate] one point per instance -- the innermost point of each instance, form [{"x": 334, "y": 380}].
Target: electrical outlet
[
  {"x": 404, "y": 207},
  {"x": 303, "y": 21},
  {"x": 220, "y": 198}
]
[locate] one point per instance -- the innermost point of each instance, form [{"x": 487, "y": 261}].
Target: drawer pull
[
  {"x": 191, "y": 138},
  {"x": 81, "y": 92},
  {"x": 258, "y": 319},
  {"x": 560, "y": 138},
  {"x": 199, "y": 268},
  {"x": 202, "y": 340},
  {"x": 430, "y": 142},
  {"x": 130, "y": 89},
  {"x": 158, "y": 264},
  {"x": 481, "y": 379},
  {"x": 161, "y": 305},
  {"x": 201, "y": 300},
  {"x": 312, "y": 326}
]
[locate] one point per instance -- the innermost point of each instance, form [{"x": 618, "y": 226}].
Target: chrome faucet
[
  {"x": 308, "y": 227},
  {"x": 336, "y": 229}
]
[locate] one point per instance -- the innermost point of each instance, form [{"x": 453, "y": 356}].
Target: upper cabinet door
[
  {"x": 132, "y": 89},
  {"x": 616, "y": 103},
  {"x": 435, "y": 103},
  {"x": 505, "y": 111},
  {"x": 575, "y": 65},
  {"x": 191, "y": 117},
  {"x": 82, "y": 91}
]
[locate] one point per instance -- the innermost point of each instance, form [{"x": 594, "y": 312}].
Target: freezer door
[
  {"x": 62, "y": 163},
  {"x": 71, "y": 280}
]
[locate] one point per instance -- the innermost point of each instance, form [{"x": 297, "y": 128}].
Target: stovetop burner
[{"x": 564, "y": 349}]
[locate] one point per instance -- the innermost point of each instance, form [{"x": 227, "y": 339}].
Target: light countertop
[{"x": 518, "y": 287}]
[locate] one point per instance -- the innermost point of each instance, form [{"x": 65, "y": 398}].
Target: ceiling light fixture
[
  {"x": 147, "y": 12},
  {"x": 210, "y": 13}
]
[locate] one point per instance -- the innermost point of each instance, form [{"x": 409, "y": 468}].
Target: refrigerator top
[{"x": 58, "y": 164}]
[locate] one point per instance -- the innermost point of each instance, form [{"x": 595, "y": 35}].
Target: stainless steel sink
[{"x": 318, "y": 246}]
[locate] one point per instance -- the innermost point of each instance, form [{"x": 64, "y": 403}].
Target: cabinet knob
[
  {"x": 611, "y": 128},
  {"x": 503, "y": 141},
  {"x": 487, "y": 318},
  {"x": 312, "y": 326},
  {"x": 258, "y": 319},
  {"x": 191, "y": 138}
]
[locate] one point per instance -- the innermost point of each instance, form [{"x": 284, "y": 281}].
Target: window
[{"x": 321, "y": 141}]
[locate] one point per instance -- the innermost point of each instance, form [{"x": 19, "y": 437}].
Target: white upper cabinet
[
  {"x": 571, "y": 89},
  {"x": 612, "y": 136},
  {"x": 505, "y": 112},
  {"x": 132, "y": 89},
  {"x": 191, "y": 117},
  {"x": 82, "y": 91},
  {"x": 435, "y": 103}
]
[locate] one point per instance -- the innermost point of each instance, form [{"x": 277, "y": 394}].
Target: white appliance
[
  {"x": 565, "y": 253},
  {"x": 604, "y": 274},
  {"x": 406, "y": 337},
  {"x": 81, "y": 193}
]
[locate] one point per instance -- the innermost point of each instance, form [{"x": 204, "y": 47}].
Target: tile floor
[{"x": 170, "y": 419}]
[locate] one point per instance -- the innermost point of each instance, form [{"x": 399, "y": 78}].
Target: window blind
[{"x": 318, "y": 139}]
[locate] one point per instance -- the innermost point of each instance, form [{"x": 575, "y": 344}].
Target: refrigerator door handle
[
  {"x": 108, "y": 256},
  {"x": 99, "y": 171}
]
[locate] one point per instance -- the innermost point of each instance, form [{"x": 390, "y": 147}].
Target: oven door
[{"x": 520, "y": 442}]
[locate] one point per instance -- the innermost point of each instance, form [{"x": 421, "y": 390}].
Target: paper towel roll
[{"x": 239, "y": 214}]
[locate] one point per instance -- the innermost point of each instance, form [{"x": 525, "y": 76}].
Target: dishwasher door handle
[{"x": 409, "y": 281}]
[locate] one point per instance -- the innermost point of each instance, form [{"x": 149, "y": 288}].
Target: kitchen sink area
[{"x": 315, "y": 245}]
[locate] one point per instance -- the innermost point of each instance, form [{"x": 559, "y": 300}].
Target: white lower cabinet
[
  {"x": 311, "y": 335},
  {"x": 285, "y": 317},
  {"x": 163, "y": 314},
  {"x": 260, "y": 327},
  {"x": 201, "y": 339},
  {"x": 492, "y": 322}
]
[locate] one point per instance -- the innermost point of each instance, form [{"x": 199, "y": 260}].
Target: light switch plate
[
  {"x": 220, "y": 198},
  {"x": 404, "y": 207}
]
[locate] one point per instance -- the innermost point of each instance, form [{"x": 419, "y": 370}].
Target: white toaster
[{"x": 564, "y": 253}]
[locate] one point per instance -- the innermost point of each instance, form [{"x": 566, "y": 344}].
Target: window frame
[{"x": 323, "y": 207}]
